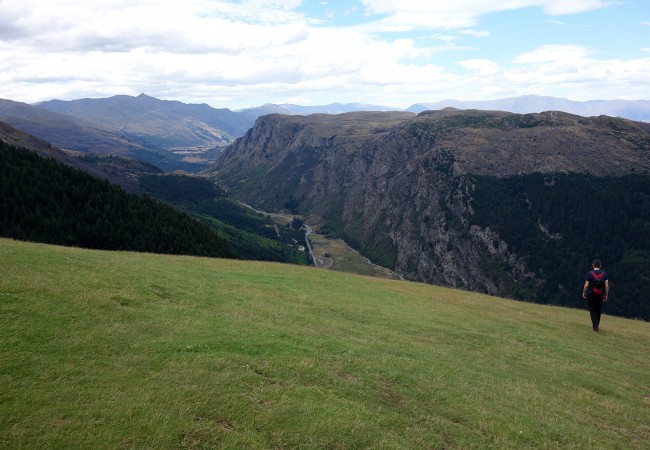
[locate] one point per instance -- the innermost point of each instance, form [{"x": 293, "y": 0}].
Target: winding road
[{"x": 308, "y": 229}]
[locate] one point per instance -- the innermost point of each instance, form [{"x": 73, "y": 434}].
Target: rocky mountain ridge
[
  {"x": 403, "y": 189},
  {"x": 454, "y": 141}
]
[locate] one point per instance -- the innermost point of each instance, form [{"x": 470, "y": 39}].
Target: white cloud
[
  {"x": 255, "y": 51},
  {"x": 553, "y": 53},
  {"x": 562, "y": 7},
  {"x": 586, "y": 78},
  {"x": 482, "y": 66},
  {"x": 189, "y": 27},
  {"x": 412, "y": 14},
  {"x": 475, "y": 33}
]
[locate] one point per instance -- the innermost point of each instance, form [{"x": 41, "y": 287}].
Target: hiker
[{"x": 595, "y": 291}]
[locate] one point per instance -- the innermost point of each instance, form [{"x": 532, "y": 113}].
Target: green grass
[
  {"x": 343, "y": 258},
  {"x": 125, "y": 350}
]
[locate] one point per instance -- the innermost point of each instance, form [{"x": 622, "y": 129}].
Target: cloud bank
[{"x": 246, "y": 53}]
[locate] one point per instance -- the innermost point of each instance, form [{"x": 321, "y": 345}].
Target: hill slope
[
  {"x": 120, "y": 170},
  {"x": 249, "y": 234},
  {"x": 171, "y": 135},
  {"x": 114, "y": 350},
  {"x": 173, "y": 123},
  {"x": 43, "y": 200},
  {"x": 183, "y": 133},
  {"x": 65, "y": 131},
  {"x": 507, "y": 204}
]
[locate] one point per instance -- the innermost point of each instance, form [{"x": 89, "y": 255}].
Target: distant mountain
[
  {"x": 171, "y": 135},
  {"x": 68, "y": 132},
  {"x": 634, "y": 110},
  {"x": 251, "y": 114},
  {"x": 629, "y": 109},
  {"x": 169, "y": 124},
  {"x": 332, "y": 108},
  {"x": 180, "y": 135},
  {"x": 65, "y": 131},
  {"x": 13, "y": 136},
  {"x": 508, "y": 204}
]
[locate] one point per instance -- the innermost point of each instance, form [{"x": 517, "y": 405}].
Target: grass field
[
  {"x": 335, "y": 254},
  {"x": 124, "y": 350}
]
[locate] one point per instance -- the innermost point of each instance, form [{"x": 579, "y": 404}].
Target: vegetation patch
[
  {"x": 604, "y": 217},
  {"x": 335, "y": 254}
]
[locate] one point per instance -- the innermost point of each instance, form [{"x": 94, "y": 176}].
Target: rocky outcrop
[{"x": 400, "y": 187}]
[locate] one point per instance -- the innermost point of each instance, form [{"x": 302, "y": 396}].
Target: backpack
[{"x": 599, "y": 283}]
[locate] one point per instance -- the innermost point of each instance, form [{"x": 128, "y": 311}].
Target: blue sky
[{"x": 239, "y": 54}]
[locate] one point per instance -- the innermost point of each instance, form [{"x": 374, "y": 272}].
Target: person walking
[{"x": 595, "y": 291}]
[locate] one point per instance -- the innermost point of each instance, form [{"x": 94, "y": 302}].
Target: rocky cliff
[{"x": 414, "y": 193}]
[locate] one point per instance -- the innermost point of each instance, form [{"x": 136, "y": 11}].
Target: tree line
[{"x": 42, "y": 200}]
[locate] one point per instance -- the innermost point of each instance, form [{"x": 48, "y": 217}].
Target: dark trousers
[{"x": 595, "y": 307}]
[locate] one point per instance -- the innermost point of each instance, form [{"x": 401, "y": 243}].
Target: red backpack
[{"x": 599, "y": 283}]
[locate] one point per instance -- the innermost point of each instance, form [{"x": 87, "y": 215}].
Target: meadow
[{"x": 104, "y": 349}]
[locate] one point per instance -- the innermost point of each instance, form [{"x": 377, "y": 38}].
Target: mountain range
[
  {"x": 65, "y": 131},
  {"x": 178, "y": 136},
  {"x": 168, "y": 123},
  {"x": 171, "y": 135}
]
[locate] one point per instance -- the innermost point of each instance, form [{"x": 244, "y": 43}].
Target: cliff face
[{"x": 403, "y": 188}]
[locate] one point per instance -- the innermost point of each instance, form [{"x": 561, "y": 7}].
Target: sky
[{"x": 245, "y": 53}]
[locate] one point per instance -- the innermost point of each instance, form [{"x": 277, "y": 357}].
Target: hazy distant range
[{"x": 628, "y": 109}]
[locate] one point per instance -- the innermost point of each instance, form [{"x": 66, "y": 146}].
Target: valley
[
  {"x": 330, "y": 253},
  {"x": 413, "y": 193},
  {"x": 336, "y": 254},
  {"x": 207, "y": 325}
]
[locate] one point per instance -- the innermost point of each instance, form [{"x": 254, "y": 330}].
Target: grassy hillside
[{"x": 125, "y": 350}]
